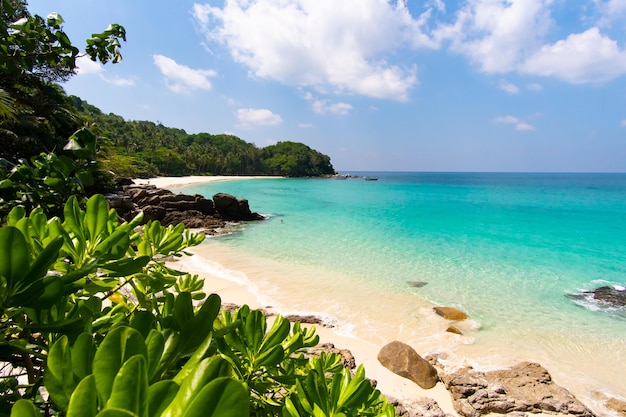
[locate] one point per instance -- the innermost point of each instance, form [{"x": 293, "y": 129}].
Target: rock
[
  {"x": 616, "y": 405},
  {"x": 231, "y": 208},
  {"x": 526, "y": 387},
  {"x": 417, "y": 284},
  {"x": 450, "y": 313},
  {"x": 153, "y": 213},
  {"x": 422, "y": 407},
  {"x": 308, "y": 320},
  {"x": 194, "y": 211},
  {"x": 403, "y": 360},
  {"x": 452, "y": 329}
]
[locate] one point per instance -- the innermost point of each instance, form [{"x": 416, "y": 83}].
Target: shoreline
[
  {"x": 177, "y": 182},
  {"x": 364, "y": 351}
]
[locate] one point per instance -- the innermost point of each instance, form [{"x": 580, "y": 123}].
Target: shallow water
[{"x": 505, "y": 248}]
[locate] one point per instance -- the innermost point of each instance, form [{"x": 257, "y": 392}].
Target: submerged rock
[
  {"x": 450, "y": 313},
  {"x": 417, "y": 284},
  {"x": 403, "y": 360},
  {"x": 610, "y": 299}
]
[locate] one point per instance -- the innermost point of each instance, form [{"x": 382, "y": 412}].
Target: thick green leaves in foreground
[
  {"x": 121, "y": 344},
  {"x": 24, "y": 408},
  {"x": 222, "y": 397}
]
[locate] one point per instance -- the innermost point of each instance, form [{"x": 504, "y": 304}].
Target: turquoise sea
[{"x": 507, "y": 249}]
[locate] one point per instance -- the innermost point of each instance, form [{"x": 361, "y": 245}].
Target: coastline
[
  {"x": 364, "y": 351},
  {"x": 177, "y": 182}
]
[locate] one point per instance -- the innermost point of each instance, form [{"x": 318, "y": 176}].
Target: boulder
[
  {"x": 403, "y": 360},
  {"x": 526, "y": 387},
  {"x": 450, "y": 313},
  {"x": 417, "y": 284}
]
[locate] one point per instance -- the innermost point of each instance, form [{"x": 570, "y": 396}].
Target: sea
[{"x": 374, "y": 252}]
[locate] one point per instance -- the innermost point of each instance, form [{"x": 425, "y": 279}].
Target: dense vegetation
[
  {"x": 142, "y": 148},
  {"x": 93, "y": 322}
]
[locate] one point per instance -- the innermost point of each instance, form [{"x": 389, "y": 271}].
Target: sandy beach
[{"x": 365, "y": 352}]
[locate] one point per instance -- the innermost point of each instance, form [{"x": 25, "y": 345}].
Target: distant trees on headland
[{"x": 142, "y": 148}]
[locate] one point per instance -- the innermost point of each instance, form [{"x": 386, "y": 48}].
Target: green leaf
[
  {"x": 160, "y": 395},
  {"x": 24, "y": 408},
  {"x": 222, "y": 397},
  {"x": 118, "y": 346},
  {"x": 82, "y": 355},
  {"x": 113, "y": 412},
  {"x": 207, "y": 370},
  {"x": 84, "y": 400},
  {"x": 14, "y": 258},
  {"x": 155, "y": 343},
  {"x": 125, "y": 266},
  {"x": 96, "y": 216},
  {"x": 277, "y": 333},
  {"x": 183, "y": 309},
  {"x": 58, "y": 376},
  {"x": 130, "y": 387}
]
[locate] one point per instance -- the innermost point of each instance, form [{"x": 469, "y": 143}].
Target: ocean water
[{"x": 507, "y": 249}]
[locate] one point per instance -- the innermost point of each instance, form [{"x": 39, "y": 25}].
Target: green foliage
[
  {"x": 109, "y": 329},
  {"x": 35, "y": 53},
  {"x": 294, "y": 159},
  {"x": 141, "y": 148}
]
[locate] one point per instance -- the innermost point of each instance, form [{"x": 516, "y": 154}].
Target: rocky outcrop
[
  {"x": 403, "y": 360},
  {"x": 194, "y": 211},
  {"x": 526, "y": 387},
  {"x": 450, "y": 313},
  {"x": 607, "y": 296}
]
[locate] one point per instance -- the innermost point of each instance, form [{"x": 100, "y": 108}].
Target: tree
[{"x": 35, "y": 53}]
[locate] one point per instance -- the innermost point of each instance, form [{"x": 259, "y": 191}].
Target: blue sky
[{"x": 465, "y": 85}]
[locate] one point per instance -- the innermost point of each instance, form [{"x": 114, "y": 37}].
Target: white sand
[{"x": 175, "y": 182}]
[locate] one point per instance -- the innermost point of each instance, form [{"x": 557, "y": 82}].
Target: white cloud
[
  {"x": 322, "y": 107},
  {"x": 497, "y": 34},
  {"x": 503, "y": 36},
  {"x": 182, "y": 79},
  {"x": 587, "y": 57},
  {"x": 517, "y": 123},
  {"x": 534, "y": 87},
  {"x": 305, "y": 125},
  {"x": 263, "y": 117},
  {"x": 85, "y": 66},
  {"x": 509, "y": 87},
  {"x": 337, "y": 46}
]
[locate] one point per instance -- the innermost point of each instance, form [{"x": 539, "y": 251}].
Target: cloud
[
  {"x": 262, "y": 117},
  {"x": 305, "y": 125},
  {"x": 505, "y": 36},
  {"x": 338, "y": 46},
  {"x": 518, "y": 124},
  {"x": 322, "y": 107},
  {"x": 534, "y": 87},
  {"x": 182, "y": 79},
  {"x": 509, "y": 87},
  {"x": 85, "y": 66},
  {"x": 587, "y": 57}
]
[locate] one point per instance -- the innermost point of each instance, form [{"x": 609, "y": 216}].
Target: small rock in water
[
  {"x": 417, "y": 284},
  {"x": 610, "y": 299},
  {"x": 450, "y": 313},
  {"x": 452, "y": 329}
]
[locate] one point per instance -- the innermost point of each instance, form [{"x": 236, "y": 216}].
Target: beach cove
[{"x": 588, "y": 363}]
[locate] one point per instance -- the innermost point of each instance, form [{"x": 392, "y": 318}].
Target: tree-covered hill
[{"x": 143, "y": 148}]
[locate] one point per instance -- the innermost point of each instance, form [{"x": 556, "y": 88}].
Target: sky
[{"x": 434, "y": 85}]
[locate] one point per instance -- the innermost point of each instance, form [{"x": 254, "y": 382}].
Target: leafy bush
[{"x": 91, "y": 312}]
